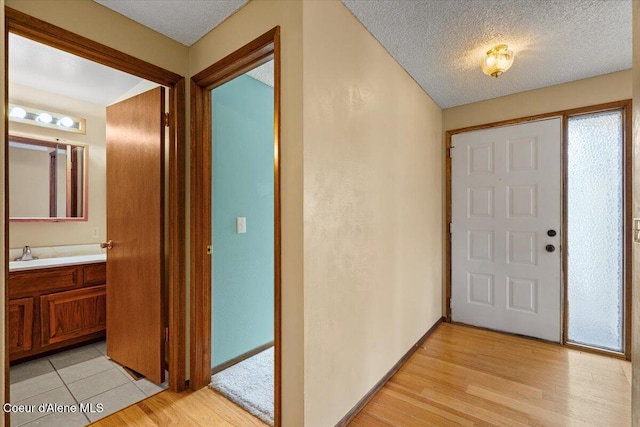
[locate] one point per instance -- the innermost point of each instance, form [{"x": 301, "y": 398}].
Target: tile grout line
[
  {"x": 69, "y": 390},
  {"x": 37, "y": 394},
  {"x": 118, "y": 410},
  {"x": 66, "y": 384}
]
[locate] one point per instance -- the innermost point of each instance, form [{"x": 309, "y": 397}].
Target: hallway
[{"x": 459, "y": 376}]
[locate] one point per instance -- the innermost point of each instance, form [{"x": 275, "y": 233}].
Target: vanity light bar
[{"x": 48, "y": 119}]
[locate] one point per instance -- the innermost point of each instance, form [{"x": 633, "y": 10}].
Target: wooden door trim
[
  {"x": 255, "y": 53},
  {"x": 625, "y": 106},
  {"x": 43, "y": 32}
]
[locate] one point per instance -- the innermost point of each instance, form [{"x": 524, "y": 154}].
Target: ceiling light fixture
[
  {"x": 48, "y": 119},
  {"x": 498, "y": 60}
]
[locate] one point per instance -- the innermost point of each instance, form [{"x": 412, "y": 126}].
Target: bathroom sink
[{"x": 56, "y": 262}]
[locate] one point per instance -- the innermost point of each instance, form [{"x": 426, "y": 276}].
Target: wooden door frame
[
  {"x": 35, "y": 29},
  {"x": 255, "y": 53},
  {"x": 625, "y": 106}
]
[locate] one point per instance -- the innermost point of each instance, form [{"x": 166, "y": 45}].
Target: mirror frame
[{"x": 53, "y": 143}]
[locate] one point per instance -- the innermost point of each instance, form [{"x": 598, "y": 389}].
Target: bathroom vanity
[{"x": 55, "y": 303}]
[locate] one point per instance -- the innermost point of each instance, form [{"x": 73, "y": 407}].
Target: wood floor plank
[
  {"x": 416, "y": 412},
  {"x": 200, "y": 408},
  {"x": 460, "y": 376},
  {"x": 369, "y": 420},
  {"x": 470, "y": 376}
]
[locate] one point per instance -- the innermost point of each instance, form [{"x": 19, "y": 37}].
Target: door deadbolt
[{"x": 551, "y": 233}]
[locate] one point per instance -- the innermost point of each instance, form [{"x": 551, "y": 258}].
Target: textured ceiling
[
  {"x": 263, "y": 73},
  {"x": 45, "y": 68},
  {"x": 441, "y": 43},
  {"x": 185, "y": 21}
]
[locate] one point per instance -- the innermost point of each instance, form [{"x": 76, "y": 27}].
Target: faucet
[{"x": 26, "y": 254}]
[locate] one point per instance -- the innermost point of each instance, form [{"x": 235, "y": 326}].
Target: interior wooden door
[{"x": 135, "y": 189}]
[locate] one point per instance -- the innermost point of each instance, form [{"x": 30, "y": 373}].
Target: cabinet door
[
  {"x": 20, "y": 325},
  {"x": 72, "y": 314}
]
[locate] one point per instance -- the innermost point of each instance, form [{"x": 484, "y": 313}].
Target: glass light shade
[
  {"x": 498, "y": 60},
  {"x": 18, "y": 113},
  {"x": 44, "y": 118},
  {"x": 66, "y": 122}
]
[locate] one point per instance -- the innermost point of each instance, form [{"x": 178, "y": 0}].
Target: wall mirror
[{"x": 47, "y": 180}]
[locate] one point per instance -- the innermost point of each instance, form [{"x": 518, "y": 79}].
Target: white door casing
[{"x": 505, "y": 196}]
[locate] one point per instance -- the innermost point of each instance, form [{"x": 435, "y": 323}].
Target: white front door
[{"x": 505, "y": 230}]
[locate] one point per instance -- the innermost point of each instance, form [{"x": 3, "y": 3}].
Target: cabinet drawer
[
  {"x": 20, "y": 325},
  {"x": 22, "y": 283},
  {"x": 95, "y": 274},
  {"x": 72, "y": 314}
]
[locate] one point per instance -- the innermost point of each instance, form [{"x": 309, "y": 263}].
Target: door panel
[
  {"x": 505, "y": 195},
  {"x": 135, "y": 164},
  {"x": 20, "y": 325}
]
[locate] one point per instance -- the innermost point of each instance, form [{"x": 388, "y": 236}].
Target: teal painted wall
[{"x": 243, "y": 264}]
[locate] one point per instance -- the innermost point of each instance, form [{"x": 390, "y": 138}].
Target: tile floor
[{"x": 84, "y": 376}]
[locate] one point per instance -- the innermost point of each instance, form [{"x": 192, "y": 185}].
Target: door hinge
[
  {"x": 450, "y": 227},
  {"x": 209, "y": 249},
  {"x": 450, "y": 151},
  {"x": 166, "y": 334},
  {"x": 166, "y": 119}
]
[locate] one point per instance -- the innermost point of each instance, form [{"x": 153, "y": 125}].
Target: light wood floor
[
  {"x": 461, "y": 376},
  {"x": 200, "y": 408},
  {"x": 467, "y": 376}
]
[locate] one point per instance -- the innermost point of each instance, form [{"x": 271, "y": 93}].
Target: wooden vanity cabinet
[{"x": 52, "y": 308}]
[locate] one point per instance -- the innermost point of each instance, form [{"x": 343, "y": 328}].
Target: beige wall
[
  {"x": 635, "y": 346},
  {"x": 372, "y": 213},
  {"x": 256, "y": 18},
  {"x": 65, "y": 233},
  {"x": 579, "y": 93}
]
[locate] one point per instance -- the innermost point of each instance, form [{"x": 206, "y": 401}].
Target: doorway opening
[
  {"x": 519, "y": 198},
  {"x": 58, "y": 306},
  {"x": 242, "y": 293},
  {"x": 239, "y": 211}
]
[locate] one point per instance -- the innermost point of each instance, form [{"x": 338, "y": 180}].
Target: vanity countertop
[{"x": 56, "y": 262}]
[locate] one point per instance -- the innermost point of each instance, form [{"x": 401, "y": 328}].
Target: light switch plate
[{"x": 241, "y": 225}]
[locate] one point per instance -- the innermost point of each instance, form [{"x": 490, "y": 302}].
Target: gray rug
[{"x": 249, "y": 384}]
